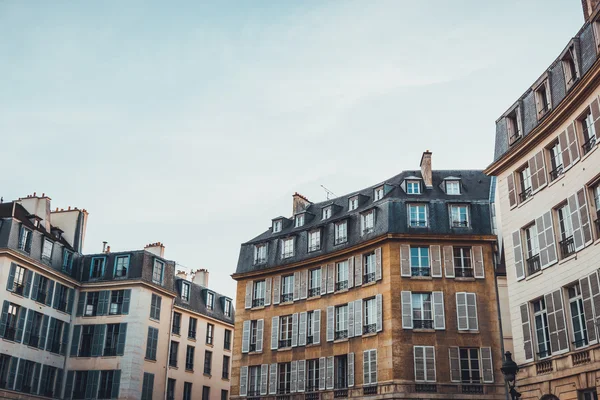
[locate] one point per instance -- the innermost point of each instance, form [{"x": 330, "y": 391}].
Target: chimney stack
[
  {"x": 300, "y": 203},
  {"x": 158, "y": 249},
  {"x": 181, "y": 274},
  {"x": 201, "y": 277},
  {"x": 589, "y": 6},
  {"x": 426, "y": 169}
]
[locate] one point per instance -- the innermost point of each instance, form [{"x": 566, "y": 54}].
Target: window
[
  {"x": 424, "y": 363},
  {"x": 224, "y": 394},
  {"x": 469, "y": 365},
  {"x": 462, "y": 262},
  {"x": 277, "y": 225},
  {"x": 227, "y": 308},
  {"x": 26, "y": 371},
  {"x": 567, "y": 245},
  {"x": 112, "y": 339},
  {"x": 310, "y": 333},
  {"x": 341, "y": 322},
  {"x": 352, "y": 203},
  {"x": 569, "y": 67},
  {"x": 588, "y": 132},
  {"x": 417, "y": 215},
  {"x": 326, "y": 213},
  {"x": 421, "y": 311},
  {"x": 542, "y": 333},
  {"x": 87, "y": 338},
  {"x": 466, "y": 311},
  {"x": 285, "y": 375},
  {"x": 254, "y": 380},
  {"x": 287, "y": 288},
  {"x": 341, "y": 280},
  {"x": 121, "y": 266},
  {"x": 314, "y": 282},
  {"x": 187, "y": 391},
  {"x": 67, "y": 264},
  {"x": 285, "y": 331},
  {"x": 155, "y": 307},
  {"x": 287, "y": 248},
  {"x": 525, "y": 181},
  {"x": 207, "y": 362},
  {"x": 542, "y": 99},
  {"x": 205, "y": 393},
  {"x": 419, "y": 261},
  {"x": 189, "y": 358},
  {"x": 151, "y": 343},
  {"x": 35, "y": 326},
  {"x": 253, "y": 335},
  {"x": 43, "y": 295},
  {"x": 227, "y": 339},
  {"x": 370, "y": 265},
  {"x": 596, "y": 194},
  {"x": 170, "y": 389},
  {"x": 47, "y": 251},
  {"x": 80, "y": 384},
  {"x": 225, "y": 372},
  {"x": 260, "y": 253},
  {"x": 105, "y": 388},
  {"x": 55, "y": 337},
  {"x": 312, "y": 375},
  {"x": 314, "y": 240},
  {"x": 19, "y": 280},
  {"x": 367, "y": 220},
  {"x": 341, "y": 372},
  {"x": 589, "y": 394},
  {"x": 413, "y": 187},
  {"x": 48, "y": 378},
  {"x": 378, "y": 193},
  {"x": 577, "y": 316},
  {"x": 452, "y": 187},
  {"x": 117, "y": 298},
  {"x": 91, "y": 304},
  {"x": 533, "y": 249},
  {"x": 185, "y": 291},
  {"x": 555, "y": 160},
  {"x": 258, "y": 294},
  {"x": 192, "y": 328},
  {"x": 61, "y": 297},
  {"x": 210, "y": 301},
  {"x": 341, "y": 232},
  {"x": 459, "y": 216},
  {"x": 210, "y": 328},
  {"x": 97, "y": 267},
  {"x": 158, "y": 272},
  {"x": 299, "y": 221},
  {"x": 25, "y": 239},
  {"x": 513, "y": 125},
  {"x": 176, "y": 323},
  {"x": 370, "y": 319},
  {"x": 147, "y": 386}
]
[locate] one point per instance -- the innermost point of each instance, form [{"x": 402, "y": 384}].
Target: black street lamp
[{"x": 509, "y": 370}]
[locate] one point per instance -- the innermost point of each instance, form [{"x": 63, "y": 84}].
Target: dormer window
[
  {"x": 513, "y": 125},
  {"x": 277, "y": 225},
  {"x": 413, "y": 187},
  {"x": 260, "y": 253},
  {"x": 25, "y": 239},
  {"x": 299, "y": 220},
  {"x": 326, "y": 213},
  {"x": 569, "y": 67},
  {"x": 378, "y": 193},
  {"x": 453, "y": 187},
  {"x": 210, "y": 300},
  {"x": 352, "y": 203},
  {"x": 367, "y": 221},
  {"x": 185, "y": 291},
  {"x": 542, "y": 99},
  {"x": 287, "y": 248},
  {"x": 227, "y": 308},
  {"x": 47, "y": 250}
]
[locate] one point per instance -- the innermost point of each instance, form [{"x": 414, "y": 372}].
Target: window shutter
[
  {"x": 448, "y": 262},
  {"x": 534, "y": 175},
  {"x": 301, "y": 375},
  {"x": 330, "y": 278},
  {"x": 329, "y": 378},
  {"x": 295, "y": 330},
  {"x": 51, "y": 333},
  {"x": 91, "y": 389},
  {"x": 472, "y": 311},
  {"x": 350, "y": 319},
  {"x": 595, "y": 291},
  {"x": 512, "y": 193},
  {"x": 12, "y": 372},
  {"x": 274, "y": 333},
  {"x": 273, "y": 379},
  {"x": 98, "y": 340},
  {"x": 34, "y": 291},
  {"x": 350, "y": 272},
  {"x": 268, "y": 283},
  {"x": 28, "y": 326},
  {"x": 588, "y": 308},
  {"x": 28, "y": 278},
  {"x": 276, "y": 289},
  {"x": 405, "y": 260},
  {"x": 35, "y": 379},
  {"x": 454, "y": 364},
  {"x": 50, "y": 293},
  {"x": 526, "y": 326},
  {"x": 304, "y": 284},
  {"x": 479, "y": 270},
  {"x": 378, "y": 271},
  {"x": 518, "y": 255},
  {"x": 330, "y": 323},
  {"x": 264, "y": 378},
  {"x": 75, "y": 341},
  {"x": 545, "y": 228},
  {"x": 248, "y": 300},
  {"x": 243, "y": 381},
  {"x": 116, "y": 384},
  {"x": 436, "y": 261},
  {"x": 21, "y": 326},
  {"x": 350, "y": 369},
  {"x": 72, "y": 300},
  {"x": 294, "y": 376},
  {"x": 322, "y": 373},
  {"x": 4, "y": 318},
  {"x": 419, "y": 354},
  {"x": 44, "y": 332},
  {"x": 584, "y": 216},
  {"x": 564, "y": 148},
  {"x": 323, "y": 280},
  {"x": 121, "y": 339},
  {"x": 11, "y": 277},
  {"x": 126, "y": 301},
  {"x": 317, "y": 327},
  {"x": 541, "y": 169},
  {"x": 103, "y": 300},
  {"x": 461, "y": 311},
  {"x": 80, "y": 303},
  {"x": 69, "y": 384},
  {"x": 246, "y": 336},
  {"x": 576, "y": 223},
  {"x": 44, "y": 380},
  {"x": 358, "y": 268},
  {"x": 65, "y": 338},
  {"x": 366, "y": 367},
  {"x": 302, "y": 329},
  {"x": 573, "y": 147},
  {"x": 430, "y": 363},
  {"x": 439, "y": 319},
  {"x": 296, "y": 290},
  {"x": 358, "y": 322},
  {"x": 260, "y": 328},
  {"x": 595, "y": 115},
  {"x": 379, "y": 305},
  {"x": 556, "y": 322},
  {"x": 407, "y": 319},
  {"x": 486, "y": 365}
]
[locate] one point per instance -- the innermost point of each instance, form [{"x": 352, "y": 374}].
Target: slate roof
[{"x": 197, "y": 301}]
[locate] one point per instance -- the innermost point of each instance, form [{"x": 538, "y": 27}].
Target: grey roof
[{"x": 197, "y": 301}]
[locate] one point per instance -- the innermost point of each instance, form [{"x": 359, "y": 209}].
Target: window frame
[
  {"x": 513, "y": 125},
  {"x": 410, "y": 186},
  {"x": 185, "y": 291},
  {"x": 116, "y": 265},
  {"x": 162, "y": 271},
  {"x": 541, "y": 93},
  {"x": 287, "y": 248},
  {"x": 314, "y": 240},
  {"x": 103, "y": 258},
  {"x": 299, "y": 220},
  {"x": 352, "y": 203},
  {"x": 460, "y": 223},
  {"x": 367, "y": 221},
  {"x": 418, "y": 223},
  {"x": 378, "y": 193},
  {"x": 452, "y": 183},
  {"x": 577, "y": 300},
  {"x": 259, "y": 257},
  {"x": 338, "y": 229},
  {"x": 542, "y": 313}
]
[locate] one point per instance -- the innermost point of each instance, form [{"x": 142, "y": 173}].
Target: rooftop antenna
[{"x": 329, "y": 192}]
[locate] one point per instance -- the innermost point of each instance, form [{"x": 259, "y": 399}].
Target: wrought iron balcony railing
[
  {"x": 371, "y": 328},
  {"x": 456, "y": 223},
  {"x": 567, "y": 246},
  {"x": 525, "y": 194},
  {"x": 556, "y": 172},
  {"x": 313, "y": 292},
  {"x": 420, "y": 271},
  {"x": 341, "y": 334},
  {"x": 422, "y": 323},
  {"x": 533, "y": 264},
  {"x": 341, "y": 285},
  {"x": 589, "y": 144},
  {"x": 258, "y": 302},
  {"x": 369, "y": 277},
  {"x": 463, "y": 272},
  {"x": 286, "y": 297}
]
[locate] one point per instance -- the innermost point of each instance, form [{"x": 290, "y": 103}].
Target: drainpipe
[{"x": 169, "y": 347}]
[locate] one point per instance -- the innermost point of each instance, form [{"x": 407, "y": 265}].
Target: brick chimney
[
  {"x": 201, "y": 277},
  {"x": 300, "y": 203},
  {"x": 181, "y": 274},
  {"x": 158, "y": 249},
  {"x": 426, "y": 169},
  {"x": 589, "y": 6}
]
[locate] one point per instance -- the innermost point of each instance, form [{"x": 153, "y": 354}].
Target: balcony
[
  {"x": 258, "y": 302},
  {"x": 252, "y": 347},
  {"x": 544, "y": 367},
  {"x": 525, "y": 194},
  {"x": 426, "y": 388},
  {"x": 314, "y": 292},
  {"x": 341, "y": 285},
  {"x": 18, "y": 289},
  {"x": 460, "y": 223},
  {"x": 463, "y": 272},
  {"x": 176, "y": 329},
  {"x": 589, "y": 144},
  {"x": 583, "y": 357},
  {"x": 420, "y": 271},
  {"x": 369, "y": 390},
  {"x": 285, "y": 343},
  {"x": 309, "y": 339},
  {"x": 567, "y": 247},
  {"x": 470, "y": 388},
  {"x": 370, "y": 277},
  {"x": 371, "y": 328},
  {"x": 341, "y": 334},
  {"x": 533, "y": 264},
  {"x": 340, "y": 393},
  {"x": 312, "y": 396},
  {"x": 287, "y": 297},
  {"x": 422, "y": 324},
  {"x": 556, "y": 172}
]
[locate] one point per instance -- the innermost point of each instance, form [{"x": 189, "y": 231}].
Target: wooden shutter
[
  {"x": 296, "y": 292},
  {"x": 50, "y": 292},
  {"x": 556, "y": 322},
  {"x": 264, "y": 379},
  {"x": 378, "y": 271},
  {"x": 595, "y": 291},
  {"x": 268, "y": 286},
  {"x": 244, "y": 381},
  {"x": 330, "y": 278},
  {"x": 273, "y": 379},
  {"x": 322, "y": 373},
  {"x": 436, "y": 261},
  {"x": 75, "y": 341},
  {"x": 294, "y": 376},
  {"x": 404, "y": 260},
  {"x": 512, "y": 193},
  {"x": 419, "y": 362},
  {"x": 373, "y": 367},
  {"x": 11, "y": 277},
  {"x": 575, "y": 222},
  {"x": 248, "y": 300},
  {"x": 28, "y": 326},
  {"x": 126, "y": 294},
  {"x": 379, "y": 306},
  {"x": 454, "y": 364},
  {"x": 573, "y": 146},
  {"x": 104, "y": 299},
  {"x": 407, "y": 319},
  {"x": 584, "y": 217},
  {"x": 330, "y": 323},
  {"x": 120, "y": 339},
  {"x": 274, "y": 333},
  {"x": 28, "y": 278},
  {"x": 479, "y": 270},
  {"x": 486, "y": 365},
  {"x": 366, "y": 367},
  {"x": 448, "y": 261},
  {"x": 260, "y": 328},
  {"x": 44, "y": 332},
  {"x": 351, "y": 272},
  {"x": 358, "y": 323},
  {"x": 461, "y": 311},
  {"x": 526, "y": 327},
  {"x": 350, "y": 319},
  {"x": 358, "y": 268},
  {"x": 595, "y": 115},
  {"x": 547, "y": 244},
  {"x": 21, "y": 325},
  {"x": 302, "y": 329},
  {"x": 533, "y": 169},
  {"x": 439, "y": 320},
  {"x": 472, "y": 311},
  {"x": 317, "y": 327},
  {"x": 295, "y": 330},
  {"x": 430, "y": 371},
  {"x": 564, "y": 148},
  {"x": 304, "y": 284},
  {"x": 350, "y": 369},
  {"x": 329, "y": 377},
  {"x": 323, "y": 280},
  {"x": 34, "y": 291},
  {"x": 277, "y": 289},
  {"x": 588, "y": 308},
  {"x": 518, "y": 255},
  {"x": 301, "y": 375}
]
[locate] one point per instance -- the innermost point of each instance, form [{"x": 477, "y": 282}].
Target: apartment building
[
  {"x": 548, "y": 172},
  {"x": 98, "y": 326},
  {"x": 388, "y": 292}
]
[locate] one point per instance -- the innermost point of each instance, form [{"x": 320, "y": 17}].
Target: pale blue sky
[{"x": 193, "y": 123}]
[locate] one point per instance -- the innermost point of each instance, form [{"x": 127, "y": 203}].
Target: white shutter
[
  {"x": 302, "y": 329},
  {"x": 556, "y": 322},
  {"x": 350, "y": 369},
  {"x": 294, "y": 329},
  {"x": 323, "y": 280},
  {"x": 588, "y": 307},
  {"x": 350, "y": 272},
  {"x": 518, "y": 255},
  {"x": 248, "y": 301},
  {"x": 448, "y": 253},
  {"x": 584, "y": 215},
  {"x": 547, "y": 243},
  {"x": 243, "y": 381},
  {"x": 330, "y": 278},
  {"x": 454, "y": 364},
  {"x": 436, "y": 261},
  {"x": 461, "y": 311},
  {"x": 268, "y": 283},
  {"x": 373, "y": 368},
  {"x": 301, "y": 375},
  {"x": 329, "y": 378},
  {"x": 430, "y": 363},
  {"x": 439, "y": 320},
  {"x": 419, "y": 363},
  {"x": 350, "y": 319},
  {"x": 479, "y": 270},
  {"x": 274, "y": 333},
  {"x": 294, "y": 376},
  {"x": 358, "y": 270},
  {"x": 330, "y": 323},
  {"x": 317, "y": 327},
  {"x": 246, "y": 336},
  {"x": 358, "y": 323},
  {"x": 260, "y": 327},
  {"x": 273, "y": 379},
  {"x": 575, "y": 222},
  {"x": 379, "y": 306},
  {"x": 472, "y": 311},
  {"x": 405, "y": 260},
  {"x": 378, "y": 272},
  {"x": 264, "y": 378},
  {"x": 277, "y": 289},
  {"x": 595, "y": 290},
  {"x": 526, "y": 327},
  {"x": 304, "y": 284},
  {"x": 486, "y": 365},
  {"x": 366, "y": 367},
  {"x": 407, "y": 319},
  {"x": 296, "y": 290},
  {"x": 322, "y": 373}
]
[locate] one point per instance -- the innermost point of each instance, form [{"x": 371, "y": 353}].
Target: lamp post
[{"x": 509, "y": 370}]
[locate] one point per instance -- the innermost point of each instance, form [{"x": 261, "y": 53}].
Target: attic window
[
  {"x": 513, "y": 125},
  {"x": 352, "y": 203},
  {"x": 413, "y": 187},
  {"x": 260, "y": 253},
  {"x": 185, "y": 291},
  {"x": 227, "y": 308},
  {"x": 210, "y": 300},
  {"x": 452, "y": 187},
  {"x": 277, "y": 226},
  {"x": 542, "y": 99},
  {"x": 569, "y": 67},
  {"x": 326, "y": 213},
  {"x": 378, "y": 193},
  {"x": 299, "y": 220}
]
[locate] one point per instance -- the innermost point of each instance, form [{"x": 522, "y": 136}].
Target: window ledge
[
  {"x": 284, "y": 349},
  {"x": 108, "y": 357},
  {"x": 561, "y": 176},
  {"x": 465, "y": 279},
  {"x": 565, "y": 260},
  {"x": 366, "y": 335},
  {"x": 176, "y": 334},
  {"x": 205, "y": 374},
  {"x": 591, "y": 151},
  {"x": 369, "y": 284},
  {"x": 145, "y": 359},
  {"x": 470, "y": 332},
  {"x": 341, "y": 291},
  {"x": 313, "y": 345},
  {"x": 534, "y": 275},
  {"x": 154, "y": 319},
  {"x": 191, "y": 371},
  {"x": 313, "y": 298},
  {"x": 418, "y": 330},
  {"x": 210, "y": 345},
  {"x": 18, "y": 295},
  {"x": 421, "y": 278},
  {"x": 521, "y": 204},
  {"x": 341, "y": 340},
  {"x": 539, "y": 189},
  {"x": 287, "y": 303},
  {"x": 32, "y": 347},
  {"x": 225, "y": 379},
  {"x": 193, "y": 339},
  {"x": 173, "y": 367},
  {"x": 257, "y": 308},
  {"x": 254, "y": 352}
]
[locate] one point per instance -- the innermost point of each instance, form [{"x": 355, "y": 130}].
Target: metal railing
[
  {"x": 371, "y": 328},
  {"x": 340, "y": 393},
  {"x": 419, "y": 223},
  {"x": 341, "y": 334},
  {"x": 314, "y": 247},
  {"x": 176, "y": 329},
  {"x": 422, "y": 324},
  {"x": 189, "y": 366},
  {"x": 18, "y": 288},
  {"x": 556, "y": 172},
  {"x": 285, "y": 297},
  {"x": 367, "y": 230},
  {"x": 544, "y": 353},
  {"x": 369, "y": 390},
  {"x": 370, "y": 277},
  {"x": 341, "y": 285},
  {"x": 312, "y": 396},
  {"x": 285, "y": 343},
  {"x": 533, "y": 264},
  {"x": 342, "y": 239},
  {"x": 252, "y": 347},
  {"x": 260, "y": 260},
  {"x": 514, "y": 138},
  {"x": 191, "y": 334},
  {"x": 543, "y": 110},
  {"x": 258, "y": 302},
  {"x": 567, "y": 246},
  {"x": 309, "y": 339},
  {"x": 472, "y": 388},
  {"x": 420, "y": 271},
  {"x": 581, "y": 342},
  {"x": 460, "y": 224},
  {"x": 463, "y": 272},
  {"x": 426, "y": 388},
  {"x": 525, "y": 194},
  {"x": 227, "y": 345},
  {"x": 313, "y": 292},
  {"x": 255, "y": 391},
  {"x": 589, "y": 144}
]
